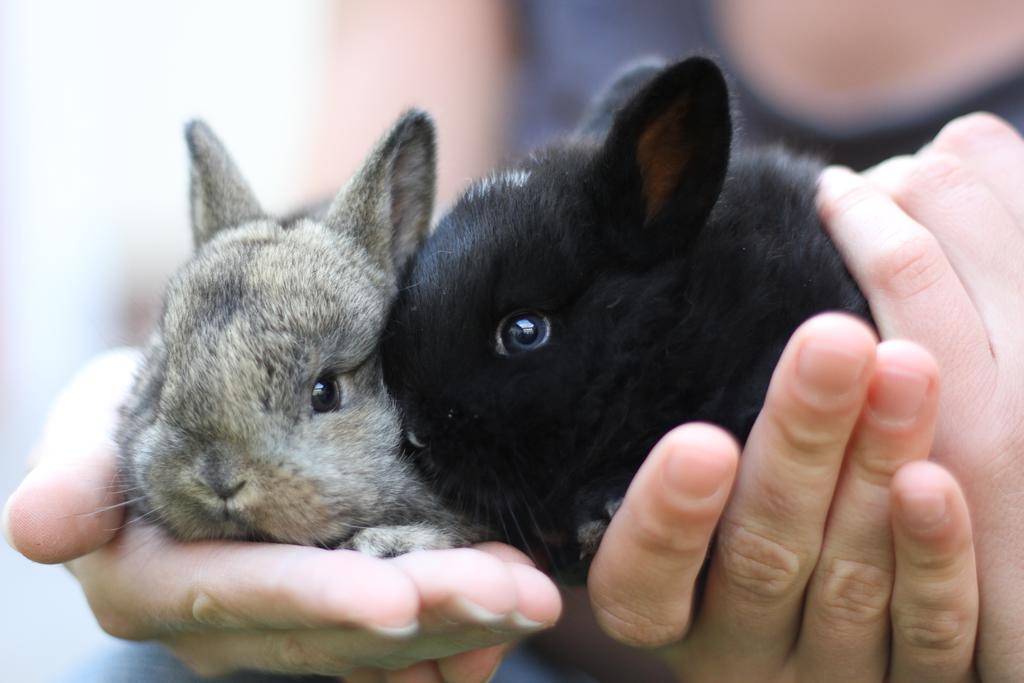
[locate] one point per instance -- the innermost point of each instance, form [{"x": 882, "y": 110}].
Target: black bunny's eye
[
  {"x": 326, "y": 394},
  {"x": 524, "y": 331}
]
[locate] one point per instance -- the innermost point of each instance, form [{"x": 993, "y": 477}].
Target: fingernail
[
  {"x": 696, "y": 475},
  {"x": 396, "y": 632},
  {"x": 836, "y": 180},
  {"x": 923, "y": 510},
  {"x": 897, "y": 396},
  {"x": 523, "y": 623},
  {"x": 826, "y": 370},
  {"x": 467, "y": 610},
  {"x": 209, "y": 612}
]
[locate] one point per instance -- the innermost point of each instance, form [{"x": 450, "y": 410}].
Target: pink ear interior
[{"x": 663, "y": 152}]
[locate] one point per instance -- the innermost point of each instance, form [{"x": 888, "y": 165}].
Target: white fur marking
[{"x": 516, "y": 177}]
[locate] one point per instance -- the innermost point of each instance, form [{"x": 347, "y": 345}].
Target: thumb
[
  {"x": 70, "y": 503},
  {"x": 642, "y": 580}
]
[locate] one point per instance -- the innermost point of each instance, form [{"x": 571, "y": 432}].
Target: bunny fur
[
  {"x": 672, "y": 270},
  {"x": 218, "y": 438}
]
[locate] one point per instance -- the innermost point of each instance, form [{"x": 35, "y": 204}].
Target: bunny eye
[
  {"x": 523, "y": 331},
  {"x": 326, "y": 395},
  {"x": 414, "y": 440}
]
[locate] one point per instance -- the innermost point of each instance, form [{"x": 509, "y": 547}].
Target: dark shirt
[{"x": 570, "y": 48}]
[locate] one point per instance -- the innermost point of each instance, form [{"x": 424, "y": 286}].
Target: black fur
[{"x": 672, "y": 287}]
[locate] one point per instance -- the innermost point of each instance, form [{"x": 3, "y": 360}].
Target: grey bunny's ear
[
  {"x": 627, "y": 82},
  {"x": 220, "y": 196},
  {"x": 391, "y": 198}
]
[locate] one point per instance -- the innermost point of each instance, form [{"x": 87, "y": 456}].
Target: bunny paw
[
  {"x": 590, "y": 533},
  {"x": 390, "y": 541}
]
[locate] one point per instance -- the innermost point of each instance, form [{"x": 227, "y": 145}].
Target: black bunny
[{"x": 572, "y": 309}]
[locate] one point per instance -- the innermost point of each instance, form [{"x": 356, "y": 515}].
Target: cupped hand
[
  {"x": 936, "y": 242},
  {"x": 223, "y": 606},
  {"x": 839, "y": 555}
]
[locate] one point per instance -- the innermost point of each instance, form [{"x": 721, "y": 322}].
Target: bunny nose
[
  {"x": 224, "y": 490},
  {"x": 221, "y": 478}
]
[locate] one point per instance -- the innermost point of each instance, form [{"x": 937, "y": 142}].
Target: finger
[
  {"x": 890, "y": 172},
  {"x": 845, "y": 632},
  {"x": 324, "y": 652},
  {"x": 68, "y": 504},
  {"x": 329, "y": 652},
  {"x": 471, "y": 587},
  {"x": 538, "y": 599},
  {"x": 991, "y": 148},
  {"x": 231, "y": 585},
  {"x": 978, "y": 235},
  {"x": 994, "y": 152},
  {"x": 60, "y": 512},
  {"x": 363, "y": 676},
  {"x": 421, "y": 672},
  {"x": 463, "y": 585},
  {"x": 771, "y": 531},
  {"x": 642, "y": 579},
  {"x": 935, "y": 599},
  {"x": 912, "y": 288},
  {"x": 475, "y": 666}
]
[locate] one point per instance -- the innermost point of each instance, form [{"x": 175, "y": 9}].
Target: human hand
[
  {"x": 936, "y": 242},
  {"x": 222, "y": 606},
  {"x": 833, "y": 560}
]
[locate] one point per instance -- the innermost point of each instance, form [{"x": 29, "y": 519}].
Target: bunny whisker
[
  {"x": 99, "y": 511},
  {"x": 538, "y": 530},
  {"x": 525, "y": 541}
]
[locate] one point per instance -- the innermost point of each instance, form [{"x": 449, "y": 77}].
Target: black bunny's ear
[
  {"x": 665, "y": 159},
  {"x": 597, "y": 119}
]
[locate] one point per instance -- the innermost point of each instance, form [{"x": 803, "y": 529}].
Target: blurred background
[
  {"x": 93, "y": 175},
  {"x": 93, "y": 182}
]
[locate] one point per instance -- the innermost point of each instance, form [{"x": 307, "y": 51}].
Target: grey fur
[
  {"x": 589, "y": 534},
  {"x": 220, "y": 196},
  {"x": 263, "y": 309}
]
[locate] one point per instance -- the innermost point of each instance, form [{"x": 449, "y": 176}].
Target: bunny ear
[
  {"x": 669, "y": 149},
  {"x": 220, "y": 196},
  {"x": 598, "y": 117},
  {"x": 388, "y": 204}
]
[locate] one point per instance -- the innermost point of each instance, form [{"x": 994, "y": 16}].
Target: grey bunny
[{"x": 259, "y": 412}]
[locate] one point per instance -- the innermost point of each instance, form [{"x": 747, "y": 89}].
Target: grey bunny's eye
[
  {"x": 521, "y": 332},
  {"x": 326, "y": 395}
]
